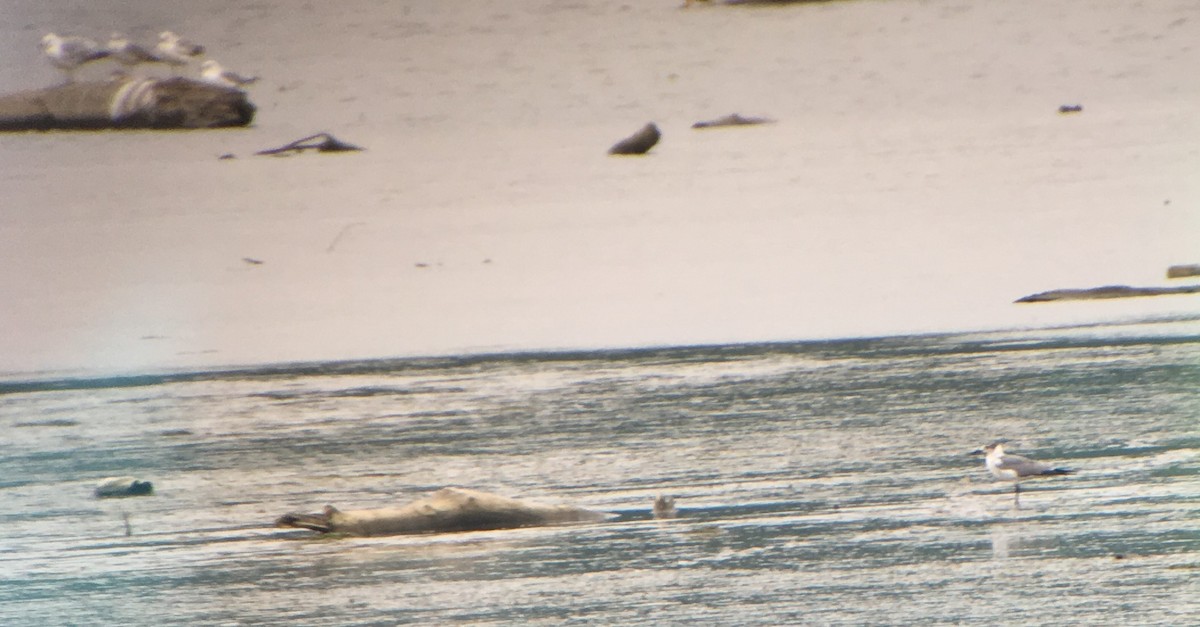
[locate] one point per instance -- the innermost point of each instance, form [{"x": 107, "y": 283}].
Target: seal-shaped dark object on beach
[
  {"x": 639, "y": 143},
  {"x": 448, "y": 510}
]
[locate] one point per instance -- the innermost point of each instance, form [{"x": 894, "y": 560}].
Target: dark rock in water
[
  {"x": 1179, "y": 272},
  {"x": 732, "y": 120},
  {"x": 1108, "y": 291},
  {"x": 639, "y": 143},
  {"x": 123, "y": 486},
  {"x": 173, "y": 103}
]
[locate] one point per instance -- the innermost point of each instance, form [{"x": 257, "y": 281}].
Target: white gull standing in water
[
  {"x": 1015, "y": 467},
  {"x": 212, "y": 72},
  {"x": 176, "y": 50},
  {"x": 68, "y": 53}
]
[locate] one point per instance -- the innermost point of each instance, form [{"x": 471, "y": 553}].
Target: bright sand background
[{"x": 919, "y": 178}]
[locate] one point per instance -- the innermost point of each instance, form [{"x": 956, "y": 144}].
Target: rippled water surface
[{"x": 818, "y": 483}]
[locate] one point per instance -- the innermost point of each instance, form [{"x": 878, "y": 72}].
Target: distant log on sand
[
  {"x": 1108, "y": 291},
  {"x": 1179, "y": 272},
  {"x": 173, "y": 103}
]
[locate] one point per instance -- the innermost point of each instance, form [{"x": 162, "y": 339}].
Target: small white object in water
[
  {"x": 68, "y": 53},
  {"x": 212, "y": 72},
  {"x": 176, "y": 50},
  {"x": 1015, "y": 467},
  {"x": 123, "y": 486}
]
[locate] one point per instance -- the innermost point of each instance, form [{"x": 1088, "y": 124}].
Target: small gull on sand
[
  {"x": 176, "y": 50},
  {"x": 1015, "y": 467},
  {"x": 68, "y": 53},
  {"x": 130, "y": 54},
  {"x": 212, "y": 72}
]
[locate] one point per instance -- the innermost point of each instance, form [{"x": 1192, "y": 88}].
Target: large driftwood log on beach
[
  {"x": 448, "y": 510},
  {"x": 172, "y": 103},
  {"x": 1108, "y": 291}
]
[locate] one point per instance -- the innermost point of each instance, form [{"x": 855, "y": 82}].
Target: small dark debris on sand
[
  {"x": 639, "y": 143},
  {"x": 321, "y": 142},
  {"x": 1182, "y": 271},
  {"x": 733, "y": 119},
  {"x": 1075, "y": 108}
]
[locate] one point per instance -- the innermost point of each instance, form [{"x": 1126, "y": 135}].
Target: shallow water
[{"x": 818, "y": 482}]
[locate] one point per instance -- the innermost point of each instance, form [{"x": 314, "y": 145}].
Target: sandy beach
[{"x": 919, "y": 179}]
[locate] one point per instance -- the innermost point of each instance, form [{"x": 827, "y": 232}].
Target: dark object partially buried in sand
[
  {"x": 639, "y": 143},
  {"x": 321, "y": 142},
  {"x": 1108, "y": 291},
  {"x": 448, "y": 510},
  {"x": 126, "y": 103},
  {"x": 732, "y": 120},
  {"x": 1065, "y": 109}
]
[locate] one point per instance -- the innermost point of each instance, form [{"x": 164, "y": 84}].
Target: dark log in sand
[
  {"x": 639, "y": 143},
  {"x": 1108, "y": 291},
  {"x": 126, "y": 103}
]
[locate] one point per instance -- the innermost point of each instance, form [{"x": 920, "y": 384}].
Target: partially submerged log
[
  {"x": 1108, "y": 291},
  {"x": 448, "y": 510},
  {"x": 127, "y": 103}
]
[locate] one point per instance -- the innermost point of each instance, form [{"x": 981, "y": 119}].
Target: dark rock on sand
[
  {"x": 639, "y": 143},
  {"x": 1108, "y": 291}
]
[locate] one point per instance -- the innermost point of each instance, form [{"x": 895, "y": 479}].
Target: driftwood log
[{"x": 172, "y": 103}]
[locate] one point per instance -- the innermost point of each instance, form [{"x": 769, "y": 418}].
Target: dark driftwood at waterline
[
  {"x": 639, "y": 143},
  {"x": 1108, "y": 291},
  {"x": 173, "y": 103}
]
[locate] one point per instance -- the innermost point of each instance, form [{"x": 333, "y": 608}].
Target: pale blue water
[{"x": 819, "y": 483}]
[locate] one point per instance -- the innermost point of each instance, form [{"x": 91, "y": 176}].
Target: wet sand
[{"x": 919, "y": 179}]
